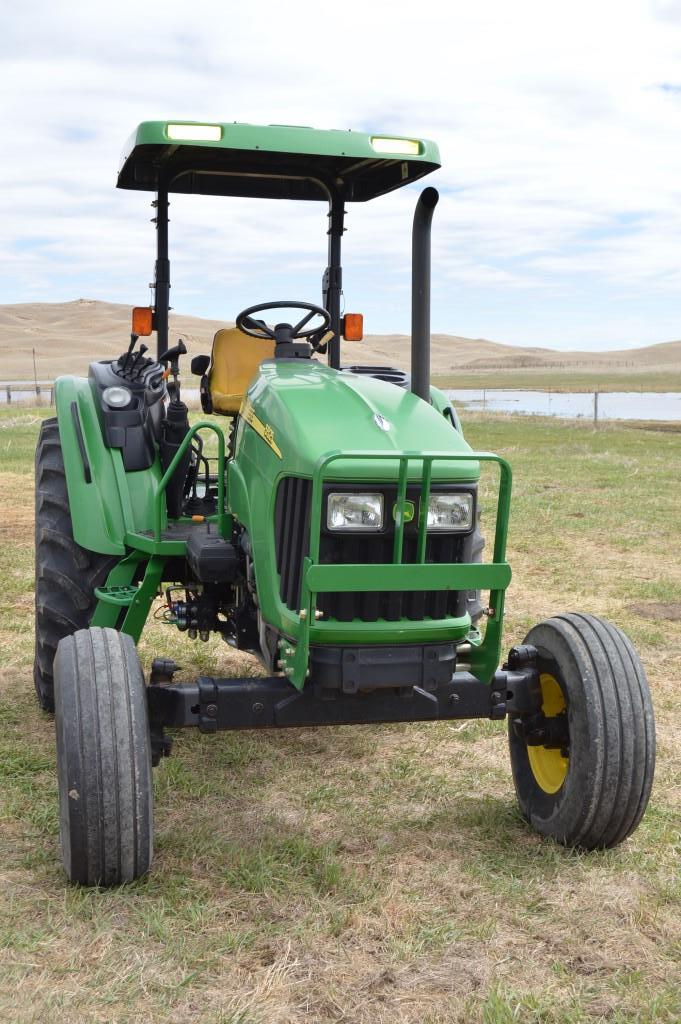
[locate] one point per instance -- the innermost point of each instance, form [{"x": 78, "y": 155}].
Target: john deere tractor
[{"x": 332, "y": 530}]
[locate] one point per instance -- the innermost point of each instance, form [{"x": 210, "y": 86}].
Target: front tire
[
  {"x": 591, "y": 791},
  {"x": 103, "y": 758}
]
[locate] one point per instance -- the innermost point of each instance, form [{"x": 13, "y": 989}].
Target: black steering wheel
[{"x": 284, "y": 332}]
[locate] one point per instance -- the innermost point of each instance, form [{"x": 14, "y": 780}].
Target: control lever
[
  {"x": 133, "y": 341},
  {"x": 172, "y": 356},
  {"x": 138, "y": 362}
]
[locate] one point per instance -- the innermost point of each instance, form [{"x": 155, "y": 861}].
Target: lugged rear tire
[
  {"x": 592, "y": 794},
  {"x": 103, "y": 758},
  {"x": 65, "y": 573}
]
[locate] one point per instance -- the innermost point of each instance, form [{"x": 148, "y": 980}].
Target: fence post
[
  {"x": 595, "y": 408},
  {"x": 8, "y": 389}
]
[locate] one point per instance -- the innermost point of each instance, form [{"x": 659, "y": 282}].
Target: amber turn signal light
[
  {"x": 142, "y": 320},
  {"x": 353, "y": 326}
]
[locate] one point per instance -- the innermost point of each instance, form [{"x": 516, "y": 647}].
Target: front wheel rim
[{"x": 549, "y": 764}]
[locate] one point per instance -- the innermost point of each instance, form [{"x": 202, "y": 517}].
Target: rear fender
[{"x": 105, "y": 502}]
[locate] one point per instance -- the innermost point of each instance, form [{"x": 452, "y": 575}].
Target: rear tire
[
  {"x": 103, "y": 758},
  {"x": 65, "y": 573},
  {"x": 592, "y": 794}
]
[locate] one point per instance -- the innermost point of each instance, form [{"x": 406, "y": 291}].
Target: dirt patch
[
  {"x": 657, "y": 610},
  {"x": 655, "y": 427}
]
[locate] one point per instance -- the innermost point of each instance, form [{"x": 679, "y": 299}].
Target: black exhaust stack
[{"x": 420, "y": 293}]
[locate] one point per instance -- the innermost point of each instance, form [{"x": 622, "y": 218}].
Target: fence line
[{"x": 23, "y": 389}]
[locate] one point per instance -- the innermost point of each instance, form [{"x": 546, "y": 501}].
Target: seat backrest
[{"x": 234, "y": 363}]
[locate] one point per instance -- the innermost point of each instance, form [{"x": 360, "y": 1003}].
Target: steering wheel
[{"x": 283, "y": 332}]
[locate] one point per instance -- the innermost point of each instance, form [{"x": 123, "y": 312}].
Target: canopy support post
[
  {"x": 332, "y": 283},
  {"x": 161, "y": 273}
]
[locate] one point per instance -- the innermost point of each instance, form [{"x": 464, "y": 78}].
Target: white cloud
[{"x": 560, "y": 170}]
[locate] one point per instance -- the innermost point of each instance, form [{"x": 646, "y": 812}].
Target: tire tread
[{"x": 103, "y": 752}]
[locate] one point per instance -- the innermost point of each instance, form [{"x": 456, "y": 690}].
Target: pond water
[{"x": 612, "y": 405}]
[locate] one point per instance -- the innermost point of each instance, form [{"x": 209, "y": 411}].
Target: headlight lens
[
  {"x": 450, "y": 511},
  {"x": 355, "y": 512},
  {"x": 117, "y": 397}
]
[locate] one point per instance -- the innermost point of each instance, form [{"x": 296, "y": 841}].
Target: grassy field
[{"x": 371, "y": 874}]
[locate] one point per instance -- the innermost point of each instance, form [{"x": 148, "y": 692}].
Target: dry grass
[{"x": 364, "y": 875}]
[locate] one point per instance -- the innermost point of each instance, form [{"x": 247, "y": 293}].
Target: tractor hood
[{"x": 304, "y": 411}]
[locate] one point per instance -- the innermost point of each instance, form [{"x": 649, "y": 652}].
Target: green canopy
[{"x": 272, "y": 161}]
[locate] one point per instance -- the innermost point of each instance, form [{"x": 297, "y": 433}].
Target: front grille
[
  {"x": 292, "y": 544},
  {"x": 372, "y": 605}
]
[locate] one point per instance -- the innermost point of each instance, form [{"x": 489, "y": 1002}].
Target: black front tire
[
  {"x": 591, "y": 794},
  {"x": 103, "y": 758},
  {"x": 65, "y": 573}
]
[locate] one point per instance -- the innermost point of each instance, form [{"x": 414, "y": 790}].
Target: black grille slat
[
  {"x": 292, "y": 536},
  {"x": 293, "y": 544},
  {"x": 280, "y": 520},
  {"x": 296, "y": 540},
  {"x": 412, "y": 599},
  {"x": 347, "y": 603},
  {"x": 370, "y": 600}
]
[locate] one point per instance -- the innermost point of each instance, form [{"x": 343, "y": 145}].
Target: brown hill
[{"x": 67, "y": 336}]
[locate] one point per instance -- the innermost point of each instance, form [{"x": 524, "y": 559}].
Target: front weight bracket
[{"x": 521, "y": 678}]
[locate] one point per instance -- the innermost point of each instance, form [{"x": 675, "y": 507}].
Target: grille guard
[{"x": 495, "y": 575}]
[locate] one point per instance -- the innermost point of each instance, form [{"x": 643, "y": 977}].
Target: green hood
[{"x": 313, "y": 410}]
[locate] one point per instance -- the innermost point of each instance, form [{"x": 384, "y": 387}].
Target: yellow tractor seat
[{"x": 234, "y": 362}]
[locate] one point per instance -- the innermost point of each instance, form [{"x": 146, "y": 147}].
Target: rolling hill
[{"x": 67, "y": 336}]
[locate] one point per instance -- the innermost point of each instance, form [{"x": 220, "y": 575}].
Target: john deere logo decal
[
  {"x": 263, "y": 430},
  {"x": 407, "y": 511}
]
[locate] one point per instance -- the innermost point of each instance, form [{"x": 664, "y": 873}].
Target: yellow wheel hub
[{"x": 548, "y": 765}]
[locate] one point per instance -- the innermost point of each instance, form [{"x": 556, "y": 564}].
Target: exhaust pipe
[{"x": 420, "y": 293}]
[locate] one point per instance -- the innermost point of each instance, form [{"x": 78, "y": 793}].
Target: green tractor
[{"x": 335, "y": 534}]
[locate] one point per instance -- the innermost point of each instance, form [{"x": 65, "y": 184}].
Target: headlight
[
  {"x": 450, "y": 512},
  {"x": 117, "y": 397},
  {"x": 354, "y": 512}
]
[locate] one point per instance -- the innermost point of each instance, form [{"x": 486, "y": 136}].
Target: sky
[{"x": 559, "y": 127}]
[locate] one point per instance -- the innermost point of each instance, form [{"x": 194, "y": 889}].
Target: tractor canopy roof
[{"x": 272, "y": 161}]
